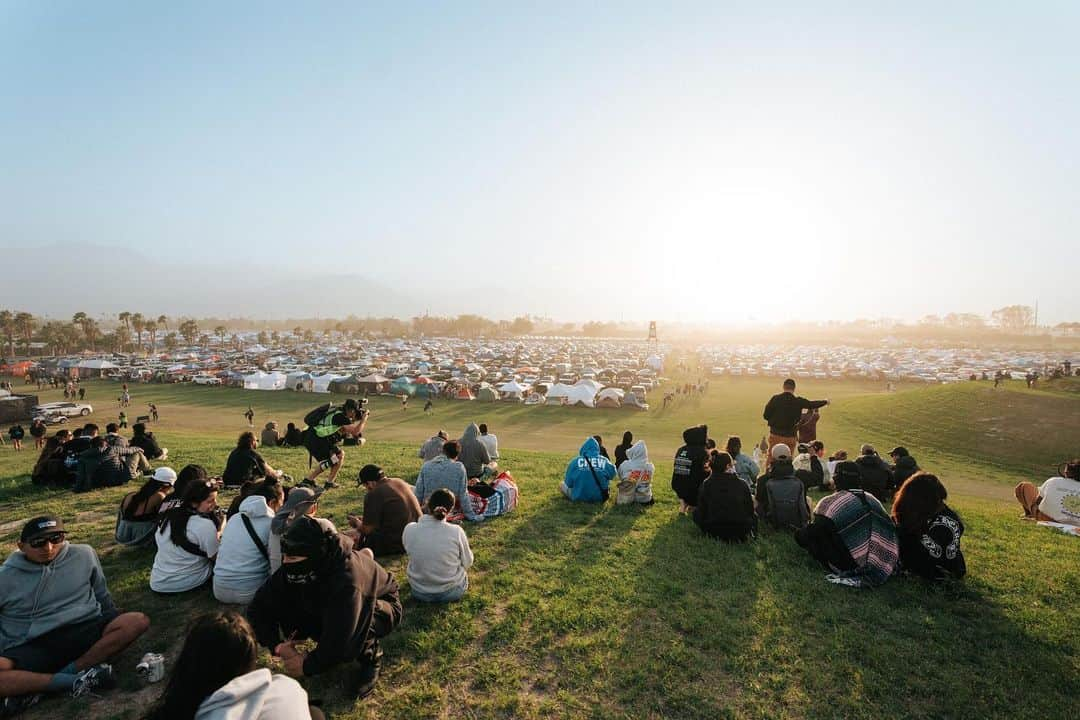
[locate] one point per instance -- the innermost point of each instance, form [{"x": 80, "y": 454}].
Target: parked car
[
  {"x": 67, "y": 409},
  {"x": 51, "y": 418},
  {"x": 206, "y": 380}
]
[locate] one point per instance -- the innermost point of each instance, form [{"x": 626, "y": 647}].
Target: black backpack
[
  {"x": 847, "y": 476},
  {"x": 787, "y": 503},
  {"x": 317, "y": 415}
]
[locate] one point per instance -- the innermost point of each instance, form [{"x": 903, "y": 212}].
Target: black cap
[
  {"x": 304, "y": 537},
  {"x": 370, "y": 473},
  {"x": 350, "y": 404},
  {"x": 899, "y": 450},
  {"x": 40, "y": 527}
]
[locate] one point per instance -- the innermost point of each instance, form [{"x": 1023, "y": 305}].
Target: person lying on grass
[
  {"x": 58, "y": 623},
  {"x": 329, "y": 591},
  {"x": 187, "y": 541},
  {"x": 215, "y": 678},
  {"x": 439, "y": 552},
  {"x": 928, "y": 529}
]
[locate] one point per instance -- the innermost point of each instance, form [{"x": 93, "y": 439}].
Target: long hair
[
  {"x": 185, "y": 477},
  {"x": 719, "y": 461},
  {"x": 52, "y": 445},
  {"x": 920, "y": 498},
  {"x": 143, "y": 494},
  {"x": 176, "y": 520},
  {"x": 441, "y": 503},
  {"x": 245, "y": 441},
  {"x": 220, "y": 646}
]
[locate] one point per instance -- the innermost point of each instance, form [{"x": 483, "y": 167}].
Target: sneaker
[
  {"x": 12, "y": 706},
  {"x": 369, "y": 675},
  {"x": 99, "y": 677},
  {"x": 330, "y": 485}
]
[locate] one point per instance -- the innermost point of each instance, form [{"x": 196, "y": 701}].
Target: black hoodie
[
  {"x": 690, "y": 470},
  {"x": 352, "y": 602},
  {"x": 725, "y": 509},
  {"x": 904, "y": 468}
]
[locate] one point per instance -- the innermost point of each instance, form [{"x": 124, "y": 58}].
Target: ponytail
[{"x": 441, "y": 503}]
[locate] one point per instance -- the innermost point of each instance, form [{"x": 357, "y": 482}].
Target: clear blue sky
[{"x": 676, "y": 160}]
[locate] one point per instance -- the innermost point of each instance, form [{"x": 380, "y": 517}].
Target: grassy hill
[{"x": 610, "y": 612}]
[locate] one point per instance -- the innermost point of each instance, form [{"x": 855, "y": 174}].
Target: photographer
[
  {"x": 326, "y": 425},
  {"x": 187, "y": 541}
]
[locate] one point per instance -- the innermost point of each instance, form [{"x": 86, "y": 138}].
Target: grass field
[{"x": 606, "y": 612}]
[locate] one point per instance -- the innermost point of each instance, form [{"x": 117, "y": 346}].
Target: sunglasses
[{"x": 54, "y": 539}]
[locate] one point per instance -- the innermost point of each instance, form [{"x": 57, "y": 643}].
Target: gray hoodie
[
  {"x": 35, "y": 599},
  {"x": 474, "y": 455},
  {"x": 257, "y": 695}
]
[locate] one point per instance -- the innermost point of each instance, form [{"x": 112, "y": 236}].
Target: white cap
[
  {"x": 165, "y": 475},
  {"x": 781, "y": 451}
]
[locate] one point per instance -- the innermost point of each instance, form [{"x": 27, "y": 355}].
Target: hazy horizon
[{"x": 709, "y": 164}]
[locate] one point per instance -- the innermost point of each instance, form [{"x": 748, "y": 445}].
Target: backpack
[
  {"x": 317, "y": 415},
  {"x": 847, "y": 476},
  {"x": 787, "y": 503}
]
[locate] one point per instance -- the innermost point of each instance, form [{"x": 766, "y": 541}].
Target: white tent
[
  {"x": 97, "y": 364},
  {"x": 583, "y": 394},
  {"x": 592, "y": 385},
  {"x": 259, "y": 380},
  {"x": 513, "y": 390},
  {"x": 611, "y": 392},
  {"x": 300, "y": 381},
  {"x": 321, "y": 383},
  {"x": 655, "y": 362}
]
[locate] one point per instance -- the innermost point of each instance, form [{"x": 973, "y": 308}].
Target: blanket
[{"x": 501, "y": 501}]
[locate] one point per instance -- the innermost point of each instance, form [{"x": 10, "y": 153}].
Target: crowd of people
[{"x": 302, "y": 579}]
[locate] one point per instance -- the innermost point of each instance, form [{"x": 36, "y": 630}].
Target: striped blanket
[
  {"x": 867, "y": 532},
  {"x": 502, "y": 501}
]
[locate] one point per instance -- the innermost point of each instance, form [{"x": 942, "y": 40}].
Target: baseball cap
[
  {"x": 899, "y": 450},
  {"x": 781, "y": 451},
  {"x": 40, "y": 527},
  {"x": 304, "y": 537},
  {"x": 370, "y": 473},
  {"x": 300, "y": 499},
  {"x": 165, "y": 475}
]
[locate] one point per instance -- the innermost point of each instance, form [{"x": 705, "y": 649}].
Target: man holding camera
[{"x": 326, "y": 425}]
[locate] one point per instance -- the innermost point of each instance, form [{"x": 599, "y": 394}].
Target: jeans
[{"x": 451, "y": 595}]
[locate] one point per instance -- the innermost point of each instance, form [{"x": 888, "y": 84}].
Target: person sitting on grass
[
  {"x": 622, "y": 448},
  {"x": 725, "y": 508},
  {"x": 293, "y": 436},
  {"x": 439, "y": 552},
  {"x": 142, "y": 439},
  {"x": 877, "y": 479},
  {"x": 329, "y": 591},
  {"x": 187, "y": 542},
  {"x": 690, "y": 467},
  {"x": 300, "y": 500},
  {"x": 928, "y": 529},
  {"x": 474, "y": 454},
  {"x": 188, "y": 474},
  {"x": 588, "y": 475},
  {"x": 245, "y": 463},
  {"x": 389, "y": 505},
  {"x": 270, "y": 437},
  {"x": 443, "y": 473},
  {"x": 852, "y": 537},
  {"x": 215, "y": 678},
  {"x": 780, "y": 497},
  {"x": 744, "y": 466},
  {"x": 243, "y": 558},
  {"x": 433, "y": 446},
  {"x": 1058, "y": 500},
  {"x": 903, "y": 467},
  {"x": 138, "y": 517},
  {"x": 635, "y": 476},
  {"x": 327, "y": 425},
  {"x": 58, "y": 623},
  {"x": 105, "y": 465},
  {"x": 49, "y": 468},
  {"x": 490, "y": 440},
  {"x": 113, "y": 436}
]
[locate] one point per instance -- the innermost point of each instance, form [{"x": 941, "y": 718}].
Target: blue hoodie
[{"x": 579, "y": 479}]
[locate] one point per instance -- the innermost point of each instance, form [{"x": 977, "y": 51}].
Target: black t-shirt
[{"x": 243, "y": 464}]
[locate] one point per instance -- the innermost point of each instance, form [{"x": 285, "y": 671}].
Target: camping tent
[
  {"x": 345, "y": 385},
  {"x": 593, "y": 385},
  {"x": 608, "y": 401},
  {"x": 259, "y": 380},
  {"x": 463, "y": 393},
  {"x": 513, "y": 390},
  {"x": 655, "y": 362},
  {"x": 299, "y": 381},
  {"x": 321, "y": 383},
  {"x": 583, "y": 394},
  {"x": 374, "y": 384},
  {"x": 487, "y": 394},
  {"x": 404, "y": 385}
]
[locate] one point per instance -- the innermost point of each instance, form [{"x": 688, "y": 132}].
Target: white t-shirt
[
  {"x": 1061, "y": 500},
  {"x": 439, "y": 555},
  {"x": 491, "y": 442},
  {"x": 240, "y": 565},
  {"x": 175, "y": 569}
]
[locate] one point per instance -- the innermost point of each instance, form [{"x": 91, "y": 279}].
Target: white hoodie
[
  {"x": 635, "y": 476},
  {"x": 241, "y": 567},
  {"x": 257, "y": 695}
]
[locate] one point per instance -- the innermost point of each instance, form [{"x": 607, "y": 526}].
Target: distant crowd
[{"x": 291, "y": 576}]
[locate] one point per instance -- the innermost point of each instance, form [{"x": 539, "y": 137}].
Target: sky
[{"x": 708, "y": 162}]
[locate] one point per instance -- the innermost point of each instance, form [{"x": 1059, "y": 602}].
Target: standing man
[
  {"x": 782, "y": 413},
  {"x": 326, "y": 425},
  {"x": 58, "y": 623},
  {"x": 250, "y": 415}
]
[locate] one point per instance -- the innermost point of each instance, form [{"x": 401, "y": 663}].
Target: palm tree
[
  {"x": 7, "y": 327},
  {"x": 138, "y": 324},
  {"x": 275, "y": 336},
  {"x": 220, "y": 332},
  {"x": 125, "y": 319},
  {"x": 24, "y": 325},
  {"x": 189, "y": 330},
  {"x": 163, "y": 321},
  {"x": 170, "y": 341},
  {"x": 204, "y": 340},
  {"x": 151, "y": 329}
]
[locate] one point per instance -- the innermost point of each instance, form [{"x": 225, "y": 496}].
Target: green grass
[{"x": 612, "y": 612}]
